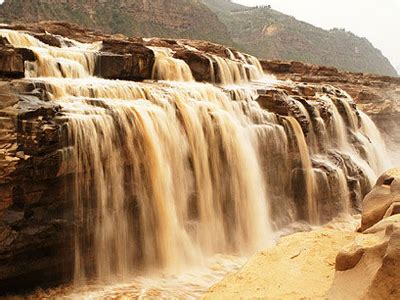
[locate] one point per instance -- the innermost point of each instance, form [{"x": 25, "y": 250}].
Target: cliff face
[
  {"x": 378, "y": 96},
  {"x": 262, "y": 32}
]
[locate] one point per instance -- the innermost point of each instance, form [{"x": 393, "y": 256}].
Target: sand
[{"x": 301, "y": 266}]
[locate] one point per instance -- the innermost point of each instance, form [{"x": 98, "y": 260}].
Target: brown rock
[
  {"x": 124, "y": 60},
  {"x": 35, "y": 232},
  {"x": 382, "y": 198},
  {"x": 198, "y": 63},
  {"x": 307, "y": 91},
  {"x": 11, "y": 62},
  {"x": 370, "y": 271},
  {"x": 48, "y": 39}
]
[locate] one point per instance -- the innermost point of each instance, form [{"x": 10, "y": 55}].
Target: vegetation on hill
[{"x": 163, "y": 18}]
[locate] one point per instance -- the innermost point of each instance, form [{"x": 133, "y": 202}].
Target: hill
[
  {"x": 147, "y": 18},
  {"x": 260, "y": 31},
  {"x": 269, "y": 34}
]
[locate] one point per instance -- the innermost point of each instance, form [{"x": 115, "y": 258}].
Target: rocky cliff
[
  {"x": 259, "y": 31},
  {"x": 378, "y": 96}
]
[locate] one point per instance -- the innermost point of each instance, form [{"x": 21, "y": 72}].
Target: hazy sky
[{"x": 377, "y": 20}]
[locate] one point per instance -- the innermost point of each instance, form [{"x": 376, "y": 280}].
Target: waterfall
[
  {"x": 171, "y": 171},
  {"x": 376, "y": 149},
  {"x": 77, "y": 60},
  {"x": 168, "y": 68},
  {"x": 234, "y": 70},
  {"x": 308, "y": 169}
]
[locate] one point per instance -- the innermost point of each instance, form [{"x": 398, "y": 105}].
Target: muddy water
[{"x": 191, "y": 284}]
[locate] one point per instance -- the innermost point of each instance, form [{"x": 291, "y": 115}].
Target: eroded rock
[
  {"x": 35, "y": 234},
  {"x": 369, "y": 271},
  {"x": 383, "y": 200}
]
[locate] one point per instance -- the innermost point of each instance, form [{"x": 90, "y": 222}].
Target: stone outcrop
[
  {"x": 11, "y": 62},
  {"x": 369, "y": 272},
  {"x": 383, "y": 201},
  {"x": 34, "y": 234},
  {"x": 125, "y": 60},
  {"x": 372, "y": 272},
  {"x": 378, "y": 96}
]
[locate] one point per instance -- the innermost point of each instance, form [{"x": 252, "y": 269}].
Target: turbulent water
[{"x": 169, "y": 173}]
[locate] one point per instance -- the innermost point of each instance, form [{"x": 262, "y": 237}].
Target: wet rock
[
  {"x": 307, "y": 90},
  {"x": 49, "y": 39},
  {"x": 11, "y": 62},
  {"x": 198, "y": 63},
  {"x": 124, "y": 60},
  {"x": 274, "y": 100},
  {"x": 35, "y": 236}
]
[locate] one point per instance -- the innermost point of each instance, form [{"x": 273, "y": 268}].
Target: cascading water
[
  {"x": 168, "y": 173},
  {"x": 76, "y": 60},
  {"x": 307, "y": 168},
  {"x": 168, "y": 68}
]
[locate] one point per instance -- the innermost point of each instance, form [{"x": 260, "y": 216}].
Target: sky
[{"x": 377, "y": 20}]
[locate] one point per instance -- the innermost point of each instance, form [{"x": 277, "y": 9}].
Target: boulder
[
  {"x": 126, "y": 60},
  {"x": 48, "y": 39},
  {"x": 369, "y": 271},
  {"x": 383, "y": 201},
  {"x": 199, "y": 64}
]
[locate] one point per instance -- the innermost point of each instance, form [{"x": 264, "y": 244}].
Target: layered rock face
[
  {"x": 35, "y": 226},
  {"x": 378, "y": 96},
  {"x": 12, "y": 63},
  {"x": 106, "y": 142}
]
